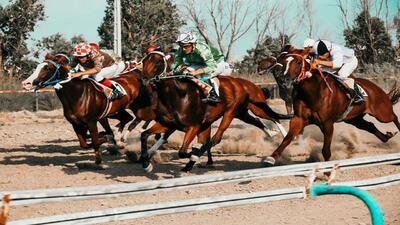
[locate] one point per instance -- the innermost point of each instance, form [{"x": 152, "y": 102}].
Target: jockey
[
  {"x": 202, "y": 62},
  {"x": 342, "y": 60},
  {"x": 91, "y": 61}
]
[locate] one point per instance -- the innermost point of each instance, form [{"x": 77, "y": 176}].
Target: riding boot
[
  {"x": 212, "y": 97},
  {"x": 357, "y": 96},
  {"x": 116, "y": 93}
]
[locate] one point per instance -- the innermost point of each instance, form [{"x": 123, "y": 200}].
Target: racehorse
[
  {"x": 319, "y": 99},
  {"x": 84, "y": 103},
  {"x": 285, "y": 83},
  {"x": 179, "y": 107}
]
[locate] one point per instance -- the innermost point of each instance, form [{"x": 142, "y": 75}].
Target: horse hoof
[
  {"x": 194, "y": 158},
  {"x": 269, "y": 161},
  {"x": 183, "y": 155},
  {"x": 149, "y": 168}
]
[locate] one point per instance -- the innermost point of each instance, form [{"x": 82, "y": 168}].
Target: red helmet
[
  {"x": 151, "y": 48},
  {"x": 82, "y": 49}
]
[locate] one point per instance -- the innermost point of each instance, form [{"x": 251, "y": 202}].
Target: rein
[
  {"x": 306, "y": 73},
  {"x": 163, "y": 75},
  {"x": 54, "y": 77}
]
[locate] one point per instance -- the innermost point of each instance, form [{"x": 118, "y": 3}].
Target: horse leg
[
  {"x": 203, "y": 138},
  {"x": 134, "y": 123},
  {"x": 145, "y": 155},
  {"x": 108, "y": 131},
  {"x": 296, "y": 125},
  {"x": 226, "y": 121},
  {"x": 81, "y": 133},
  {"x": 124, "y": 118},
  {"x": 189, "y": 136},
  {"x": 327, "y": 129},
  {"x": 247, "y": 118},
  {"x": 94, "y": 134},
  {"x": 263, "y": 114},
  {"x": 362, "y": 124},
  {"x": 146, "y": 124}
]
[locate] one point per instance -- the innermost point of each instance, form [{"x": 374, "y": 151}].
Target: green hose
[{"x": 374, "y": 209}]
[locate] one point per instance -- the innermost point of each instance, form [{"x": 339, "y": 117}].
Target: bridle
[
  {"x": 271, "y": 67},
  {"x": 163, "y": 75},
  {"x": 303, "y": 72}
]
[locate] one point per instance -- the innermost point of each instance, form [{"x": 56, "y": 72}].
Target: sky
[{"x": 74, "y": 17}]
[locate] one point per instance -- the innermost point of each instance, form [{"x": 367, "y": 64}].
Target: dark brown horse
[
  {"x": 85, "y": 103},
  {"x": 285, "y": 83},
  {"x": 320, "y": 100},
  {"x": 179, "y": 107}
]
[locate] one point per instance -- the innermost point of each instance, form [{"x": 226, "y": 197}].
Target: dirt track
[{"x": 39, "y": 150}]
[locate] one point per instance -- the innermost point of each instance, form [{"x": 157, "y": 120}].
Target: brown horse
[
  {"x": 320, "y": 100},
  {"x": 285, "y": 83},
  {"x": 179, "y": 107},
  {"x": 84, "y": 103}
]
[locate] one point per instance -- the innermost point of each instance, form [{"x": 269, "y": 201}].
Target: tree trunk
[{"x": 1, "y": 62}]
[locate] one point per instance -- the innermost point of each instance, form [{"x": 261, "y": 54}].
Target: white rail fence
[{"x": 116, "y": 214}]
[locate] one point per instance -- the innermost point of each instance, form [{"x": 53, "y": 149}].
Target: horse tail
[
  {"x": 266, "y": 92},
  {"x": 265, "y": 107},
  {"x": 394, "y": 94}
]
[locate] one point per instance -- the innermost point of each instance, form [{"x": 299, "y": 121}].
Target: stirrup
[{"x": 116, "y": 94}]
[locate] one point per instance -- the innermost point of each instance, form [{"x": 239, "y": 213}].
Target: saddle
[
  {"x": 104, "y": 89},
  {"x": 357, "y": 87}
]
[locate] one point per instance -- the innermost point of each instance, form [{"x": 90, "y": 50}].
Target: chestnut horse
[
  {"x": 84, "y": 103},
  {"x": 320, "y": 100},
  {"x": 179, "y": 107}
]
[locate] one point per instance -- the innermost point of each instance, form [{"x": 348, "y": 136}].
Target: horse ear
[{"x": 48, "y": 56}]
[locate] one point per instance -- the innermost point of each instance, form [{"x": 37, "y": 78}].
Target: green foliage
[
  {"x": 17, "y": 20},
  {"x": 270, "y": 46},
  {"x": 144, "y": 22},
  {"x": 370, "y": 47},
  {"x": 56, "y": 43}
]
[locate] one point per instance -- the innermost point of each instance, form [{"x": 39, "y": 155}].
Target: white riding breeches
[
  {"x": 110, "y": 72},
  {"x": 223, "y": 68},
  {"x": 348, "y": 68},
  {"x": 107, "y": 72}
]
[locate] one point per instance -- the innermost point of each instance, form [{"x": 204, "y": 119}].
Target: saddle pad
[{"x": 362, "y": 91}]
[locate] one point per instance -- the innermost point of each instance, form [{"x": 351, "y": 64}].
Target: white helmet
[
  {"x": 308, "y": 43},
  {"x": 186, "y": 38}
]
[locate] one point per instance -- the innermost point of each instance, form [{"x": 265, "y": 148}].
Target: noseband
[
  {"x": 54, "y": 77},
  {"x": 303, "y": 73}
]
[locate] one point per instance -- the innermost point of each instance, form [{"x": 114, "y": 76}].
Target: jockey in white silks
[{"x": 339, "y": 58}]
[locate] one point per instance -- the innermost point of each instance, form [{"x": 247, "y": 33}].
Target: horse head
[
  {"x": 294, "y": 65},
  {"x": 268, "y": 64},
  {"x": 154, "y": 64},
  {"x": 53, "y": 70}
]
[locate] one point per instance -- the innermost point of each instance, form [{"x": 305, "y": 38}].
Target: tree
[
  {"x": 143, "y": 22},
  {"x": 228, "y": 20},
  {"x": 17, "y": 20},
  {"x": 370, "y": 40},
  {"x": 56, "y": 43},
  {"x": 396, "y": 21},
  {"x": 270, "y": 47}
]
